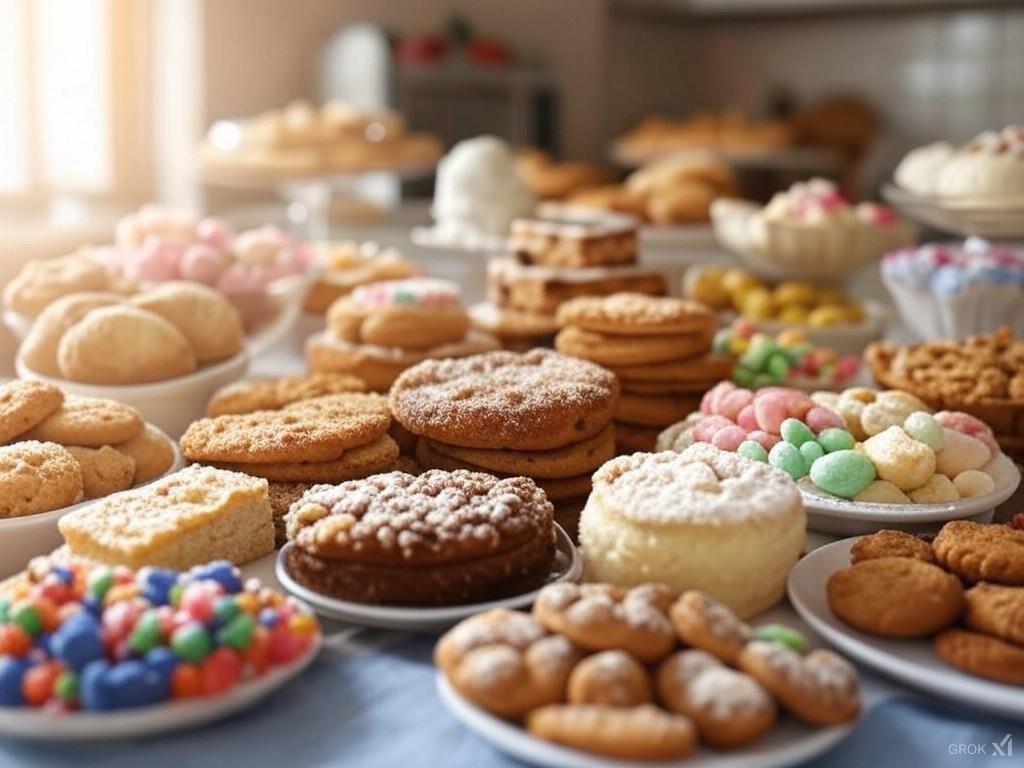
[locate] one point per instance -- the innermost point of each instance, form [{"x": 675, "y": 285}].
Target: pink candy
[
  {"x": 729, "y": 438},
  {"x": 731, "y": 403},
  {"x": 155, "y": 262},
  {"x": 970, "y": 426},
  {"x": 766, "y": 440},
  {"x": 215, "y": 233},
  {"x": 710, "y": 399},
  {"x": 771, "y": 410},
  {"x": 746, "y": 418},
  {"x": 708, "y": 426},
  {"x": 819, "y": 418},
  {"x": 204, "y": 264}
]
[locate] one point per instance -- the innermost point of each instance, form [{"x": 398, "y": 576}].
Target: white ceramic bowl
[
  {"x": 170, "y": 405},
  {"x": 22, "y": 538}
]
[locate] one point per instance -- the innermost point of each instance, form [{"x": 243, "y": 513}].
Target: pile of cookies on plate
[
  {"x": 642, "y": 672},
  {"x": 965, "y": 588}
]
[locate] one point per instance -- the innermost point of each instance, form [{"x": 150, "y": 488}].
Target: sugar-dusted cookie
[
  {"x": 37, "y": 477},
  {"x": 996, "y": 610},
  {"x": 39, "y": 349},
  {"x": 104, "y": 470},
  {"x": 152, "y": 452},
  {"x": 211, "y": 323},
  {"x": 629, "y": 314},
  {"x": 271, "y": 394},
  {"x": 891, "y": 544},
  {"x": 362, "y": 460},
  {"x": 982, "y": 655},
  {"x": 705, "y": 623},
  {"x": 25, "y": 404},
  {"x": 610, "y": 677},
  {"x": 977, "y": 552},
  {"x": 609, "y": 349},
  {"x": 90, "y": 422}
]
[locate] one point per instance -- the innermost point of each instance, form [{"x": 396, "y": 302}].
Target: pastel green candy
[
  {"x": 721, "y": 343},
  {"x": 764, "y": 380},
  {"x": 843, "y": 473},
  {"x": 27, "y": 617},
  {"x": 923, "y": 427},
  {"x": 778, "y": 366},
  {"x": 795, "y": 432},
  {"x": 66, "y": 686},
  {"x": 5, "y": 611},
  {"x": 835, "y": 439},
  {"x": 753, "y": 450},
  {"x": 146, "y": 633},
  {"x": 100, "y": 582},
  {"x": 742, "y": 376},
  {"x": 757, "y": 355},
  {"x": 811, "y": 451},
  {"x": 782, "y": 635},
  {"x": 238, "y": 632},
  {"x": 786, "y": 456}
]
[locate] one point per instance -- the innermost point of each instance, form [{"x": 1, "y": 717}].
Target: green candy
[
  {"x": 923, "y": 427},
  {"x": 100, "y": 582},
  {"x": 778, "y": 366},
  {"x": 742, "y": 376},
  {"x": 843, "y": 473},
  {"x": 811, "y": 451},
  {"x": 146, "y": 633},
  {"x": 174, "y": 595},
  {"x": 721, "y": 343},
  {"x": 191, "y": 642},
  {"x": 795, "y": 432},
  {"x": 786, "y": 456},
  {"x": 237, "y": 633},
  {"x": 225, "y": 608},
  {"x": 27, "y": 617},
  {"x": 66, "y": 686},
  {"x": 5, "y": 611},
  {"x": 834, "y": 439},
  {"x": 757, "y": 354},
  {"x": 782, "y": 635},
  {"x": 753, "y": 450}
]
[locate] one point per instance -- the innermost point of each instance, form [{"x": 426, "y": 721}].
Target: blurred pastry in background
[
  {"x": 345, "y": 265},
  {"x": 549, "y": 179}
]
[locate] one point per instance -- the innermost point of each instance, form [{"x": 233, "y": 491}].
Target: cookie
[
  {"x": 538, "y": 400},
  {"x": 610, "y": 677},
  {"x": 655, "y": 410},
  {"x": 705, "y": 623},
  {"x": 124, "y": 345},
  {"x": 271, "y": 394},
  {"x": 891, "y": 544},
  {"x": 104, "y": 470},
  {"x": 600, "y": 617},
  {"x": 90, "y": 422},
  {"x": 568, "y": 461},
  {"x": 608, "y": 349},
  {"x": 630, "y": 733},
  {"x": 977, "y": 552},
  {"x": 996, "y": 610},
  {"x": 631, "y": 438},
  {"x": 43, "y": 281},
  {"x": 509, "y": 324},
  {"x": 211, "y": 323},
  {"x": 25, "y": 404},
  {"x": 151, "y": 451},
  {"x": 636, "y": 314},
  {"x": 39, "y": 349},
  {"x": 360, "y": 461},
  {"x": 406, "y": 440},
  {"x": 982, "y": 655},
  {"x": 896, "y": 597},
  {"x": 37, "y": 477},
  {"x": 286, "y": 436},
  {"x": 341, "y": 403},
  {"x": 690, "y": 372}
]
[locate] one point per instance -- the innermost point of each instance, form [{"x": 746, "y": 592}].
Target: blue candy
[
  {"x": 93, "y": 605},
  {"x": 12, "y": 670},
  {"x": 63, "y": 574},
  {"x": 155, "y": 584},
  {"x": 78, "y": 641},
  {"x": 221, "y": 571},
  {"x": 269, "y": 618},
  {"x": 92, "y": 687},
  {"x": 162, "y": 660},
  {"x": 133, "y": 684}
]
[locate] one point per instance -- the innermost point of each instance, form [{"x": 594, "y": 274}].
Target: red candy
[
  {"x": 220, "y": 671},
  {"x": 120, "y": 618},
  {"x": 197, "y": 600},
  {"x": 257, "y": 655},
  {"x": 37, "y": 684},
  {"x": 14, "y": 641},
  {"x": 285, "y": 646},
  {"x": 766, "y": 440},
  {"x": 186, "y": 681}
]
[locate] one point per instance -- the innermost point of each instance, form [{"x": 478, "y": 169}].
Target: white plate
[
  {"x": 828, "y": 514},
  {"x": 985, "y": 218},
  {"x": 417, "y": 619},
  {"x": 789, "y": 742},
  {"x": 912, "y": 662},
  {"x": 36, "y": 725}
]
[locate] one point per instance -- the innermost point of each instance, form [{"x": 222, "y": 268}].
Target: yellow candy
[
  {"x": 248, "y": 603},
  {"x": 121, "y": 592},
  {"x": 830, "y": 296},
  {"x": 302, "y": 623},
  {"x": 829, "y": 314},
  {"x": 738, "y": 345},
  {"x": 758, "y": 305},
  {"x": 790, "y": 337},
  {"x": 793, "y": 314},
  {"x": 795, "y": 292},
  {"x": 708, "y": 288},
  {"x": 736, "y": 279}
]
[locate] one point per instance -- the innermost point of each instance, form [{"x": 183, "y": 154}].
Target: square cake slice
[
  {"x": 575, "y": 243},
  {"x": 191, "y": 517}
]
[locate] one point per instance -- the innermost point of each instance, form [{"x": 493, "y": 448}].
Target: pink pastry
[
  {"x": 215, "y": 232},
  {"x": 154, "y": 262},
  {"x": 204, "y": 264},
  {"x": 969, "y": 425}
]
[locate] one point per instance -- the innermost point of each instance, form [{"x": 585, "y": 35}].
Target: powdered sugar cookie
[
  {"x": 706, "y": 624},
  {"x": 271, "y": 394},
  {"x": 610, "y": 677}
]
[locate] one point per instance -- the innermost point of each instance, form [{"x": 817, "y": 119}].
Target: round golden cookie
[
  {"x": 632, "y": 438},
  {"x": 729, "y": 708},
  {"x": 977, "y": 552},
  {"x": 996, "y": 610},
  {"x": 693, "y": 371},
  {"x": 39, "y": 349},
  {"x": 397, "y": 326},
  {"x": 630, "y": 733},
  {"x": 636, "y": 314},
  {"x": 511, "y": 323},
  {"x": 982, "y": 655},
  {"x": 821, "y": 688},
  {"x": 568, "y": 461},
  {"x": 24, "y": 404},
  {"x": 355, "y": 463},
  {"x": 896, "y": 597},
  {"x": 124, "y": 345},
  {"x": 607, "y": 349},
  {"x": 506, "y": 662},
  {"x": 891, "y": 544},
  {"x": 37, "y": 477},
  {"x": 655, "y": 410},
  {"x": 41, "y": 282},
  {"x": 91, "y": 422},
  {"x": 104, "y": 470},
  {"x": 211, "y": 323},
  {"x": 610, "y": 677},
  {"x": 539, "y": 400},
  {"x": 667, "y": 388},
  {"x": 599, "y": 617},
  {"x": 152, "y": 452},
  {"x": 343, "y": 402},
  {"x": 271, "y": 394},
  {"x": 286, "y": 436},
  {"x": 703, "y": 622}
]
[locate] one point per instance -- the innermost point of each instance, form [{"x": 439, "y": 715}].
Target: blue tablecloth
[{"x": 371, "y": 702}]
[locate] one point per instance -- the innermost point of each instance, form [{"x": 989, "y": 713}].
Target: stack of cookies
[
  {"x": 658, "y": 347},
  {"x": 553, "y": 261},
  {"x": 537, "y": 414},
  {"x": 380, "y": 329}
]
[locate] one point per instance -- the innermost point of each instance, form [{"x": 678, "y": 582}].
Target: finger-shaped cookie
[
  {"x": 613, "y": 678},
  {"x": 707, "y": 624}
]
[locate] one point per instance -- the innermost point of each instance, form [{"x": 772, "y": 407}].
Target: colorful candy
[
  {"x": 783, "y": 635},
  {"x": 843, "y": 473}
]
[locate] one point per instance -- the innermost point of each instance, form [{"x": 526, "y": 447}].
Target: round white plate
[
  {"x": 419, "y": 619},
  {"x": 789, "y": 742},
  {"x": 828, "y": 514},
  {"x": 36, "y": 725},
  {"x": 912, "y": 662}
]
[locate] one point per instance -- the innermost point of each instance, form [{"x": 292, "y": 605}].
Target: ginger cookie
[
  {"x": 211, "y": 323},
  {"x": 271, "y": 394},
  {"x": 977, "y": 552},
  {"x": 996, "y": 610},
  {"x": 696, "y": 370},
  {"x": 358, "y": 462},
  {"x": 655, "y": 410},
  {"x": 631, "y": 438},
  {"x": 90, "y": 422},
  {"x": 538, "y": 400},
  {"x": 39, "y": 349},
  {"x": 608, "y": 349},
  {"x": 151, "y": 451},
  {"x": 896, "y": 597},
  {"x": 37, "y": 477},
  {"x": 24, "y": 404},
  {"x": 636, "y": 314},
  {"x": 104, "y": 470},
  {"x": 891, "y": 544},
  {"x": 982, "y": 655}
]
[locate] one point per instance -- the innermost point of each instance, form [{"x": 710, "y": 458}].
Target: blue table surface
[{"x": 377, "y": 706}]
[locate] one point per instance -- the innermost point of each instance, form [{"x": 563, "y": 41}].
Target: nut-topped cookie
[{"x": 442, "y": 538}]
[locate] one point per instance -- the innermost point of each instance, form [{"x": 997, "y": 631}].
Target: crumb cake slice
[
  {"x": 576, "y": 243},
  {"x": 193, "y": 516}
]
